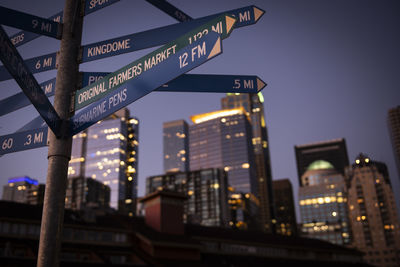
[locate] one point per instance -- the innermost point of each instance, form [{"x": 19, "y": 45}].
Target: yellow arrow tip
[
  {"x": 229, "y": 23},
  {"x": 260, "y": 84},
  {"x": 258, "y": 13},
  {"x": 216, "y": 49}
]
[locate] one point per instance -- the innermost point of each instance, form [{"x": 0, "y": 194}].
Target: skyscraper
[
  {"x": 253, "y": 105},
  {"x": 107, "y": 152},
  {"x": 285, "y": 214},
  {"x": 323, "y": 204},
  {"x": 394, "y": 129},
  {"x": 23, "y": 190},
  {"x": 333, "y": 151},
  {"x": 206, "y": 191},
  {"x": 176, "y": 148},
  {"x": 222, "y": 139},
  {"x": 373, "y": 212}
]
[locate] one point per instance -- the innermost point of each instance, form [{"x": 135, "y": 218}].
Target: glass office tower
[
  {"x": 253, "y": 105},
  {"x": 222, "y": 139},
  {"x": 323, "y": 204},
  {"x": 107, "y": 152},
  {"x": 176, "y": 147}
]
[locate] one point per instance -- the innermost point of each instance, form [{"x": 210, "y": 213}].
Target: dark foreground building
[{"x": 158, "y": 240}]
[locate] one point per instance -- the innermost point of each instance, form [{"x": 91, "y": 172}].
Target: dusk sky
[{"x": 332, "y": 69}]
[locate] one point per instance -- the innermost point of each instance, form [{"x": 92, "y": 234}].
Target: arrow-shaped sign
[
  {"x": 19, "y": 71},
  {"x": 35, "y": 65},
  {"x": 222, "y": 24},
  {"x": 30, "y": 23},
  {"x": 177, "y": 63},
  {"x": 23, "y": 37},
  {"x": 171, "y": 10},
  {"x": 159, "y": 36},
  {"x": 23, "y": 140},
  {"x": 212, "y": 83},
  {"x": 19, "y": 100}
]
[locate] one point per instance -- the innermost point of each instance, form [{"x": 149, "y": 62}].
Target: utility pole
[{"x": 60, "y": 148}]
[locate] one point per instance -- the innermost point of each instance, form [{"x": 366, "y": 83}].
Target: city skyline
[{"x": 331, "y": 70}]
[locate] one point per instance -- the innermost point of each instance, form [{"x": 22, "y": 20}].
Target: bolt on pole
[{"x": 59, "y": 152}]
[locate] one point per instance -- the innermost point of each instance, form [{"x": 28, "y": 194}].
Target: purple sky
[{"x": 332, "y": 69}]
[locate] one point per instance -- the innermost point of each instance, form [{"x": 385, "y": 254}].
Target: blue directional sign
[
  {"x": 19, "y": 71},
  {"x": 214, "y": 84},
  {"x": 23, "y": 37},
  {"x": 171, "y": 10},
  {"x": 176, "y": 64},
  {"x": 30, "y": 23},
  {"x": 35, "y": 65},
  {"x": 94, "y": 5},
  {"x": 159, "y": 36},
  {"x": 211, "y": 83},
  {"x": 23, "y": 140},
  {"x": 19, "y": 100}
]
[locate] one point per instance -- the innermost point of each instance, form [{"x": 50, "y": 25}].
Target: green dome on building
[{"x": 320, "y": 165}]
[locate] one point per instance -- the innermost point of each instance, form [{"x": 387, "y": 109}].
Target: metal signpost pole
[{"x": 60, "y": 148}]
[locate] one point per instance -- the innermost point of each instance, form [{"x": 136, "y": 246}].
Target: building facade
[
  {"x": 84, "y": 193},
  {"x": 206, "y": 192},
  {"x": 253, "y": 105},
  {"x": 108, "y": 153},
  {"x": 285, "y": 214},
  {"x": 373, "y": 212},
  {"x": 323, "y": 204},
  {"x": 333, "y": 151},
  {"x": 222, "y": 139},
  {"x": 394, "y": 129},
  {"x": 176, "y": 146},
  {"x": 24, "y": 190}
]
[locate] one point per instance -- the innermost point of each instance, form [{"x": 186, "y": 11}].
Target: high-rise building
[
  {"x": 222, "y": 139},
  {"x": 373, "y": 213},
  {"x": 394, "y": 129},
  {"x": 323, "y": 204},
  {"x": 333, "y": 151},
  {"x": 253, "y": 105},
  {"x": 108, "y": 153},
  {"x": 285, "y": 214},
  {"x": 84, "y": 193},
  {"x": 24, "y": 190},
  {"x": 206, "y": 191},
  {"x": 176, "y": 148}
]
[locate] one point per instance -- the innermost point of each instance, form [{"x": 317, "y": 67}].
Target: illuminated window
[
  {"x": 228, "y": 136},
  {"x": 245, "y": 165}
]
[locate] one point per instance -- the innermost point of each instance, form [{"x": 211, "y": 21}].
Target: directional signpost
[
  {"x": 30, "y": 23},
  {"x": 16, "y": 67},
  {"x": 186, "y": 45}
]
